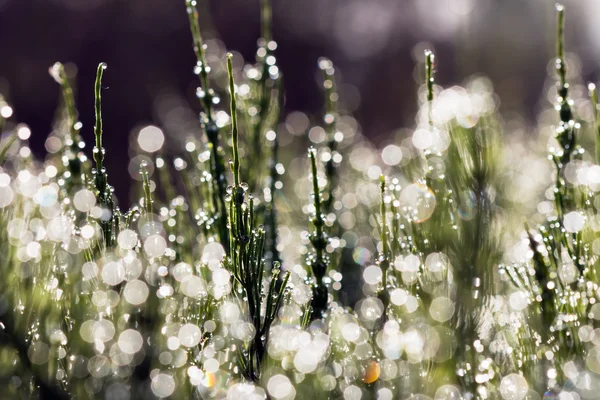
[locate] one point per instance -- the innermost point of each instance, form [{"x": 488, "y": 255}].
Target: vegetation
[{"x": 466, "y": 291}]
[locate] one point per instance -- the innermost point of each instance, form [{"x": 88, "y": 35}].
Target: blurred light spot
[{"x": 151, "y": 139}]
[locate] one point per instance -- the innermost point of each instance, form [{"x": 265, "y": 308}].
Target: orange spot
[
  {"x": 372, "y": 372},
  {"x": 209, "y": 380}
]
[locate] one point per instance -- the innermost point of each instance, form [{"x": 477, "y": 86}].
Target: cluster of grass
[{"x": 223, "y": 280}]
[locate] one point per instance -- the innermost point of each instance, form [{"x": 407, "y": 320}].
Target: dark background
[{"x": 375, "y": 45}]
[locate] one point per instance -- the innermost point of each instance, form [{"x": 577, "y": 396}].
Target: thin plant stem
[
  {"x": 319, "y": 263},
  {"x": 384, "y": 235},
  {"x": 330, "y": 120},
  {"x": 104, "y": 191},
  {"x": 68, "y": 98},
  {"x": 560, "y": 44},
  {"x": 73, "y": 153},
  {"x": 429, "y": 58},
  {"x": 234, "y": 125},
  {"x": 566, "y": 131},
  {"x": 199, "y": 51},
  {"x": 208, "y": 122},
  {"x": 147, "y": 191},
  {"x": 266, "y": 16},
  {"x": 7, "y": 145},
  {"x": 318, "y": 220},
  {"x": 98, "y": 153},
  {"x": 429, "y": 81}
]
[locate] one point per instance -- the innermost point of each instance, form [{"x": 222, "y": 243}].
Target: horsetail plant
[
  {"x": 383, "y": 259},
  {"x": 104, "y": 192},
  {"x": 208, "y": 98},
  {"x": 566, "y": 133},
  {"x": 246, "y": 257},
  {"x": 73, "y": 155},
  {"x": 330, "y": 118},
  {"x": 319, "y": 261},
  {"x": 564, "y": 275},
  {"x": 242, "y": 304},
  {"x": 263, "y": 95}
]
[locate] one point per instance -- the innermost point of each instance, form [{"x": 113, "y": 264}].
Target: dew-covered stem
[
  {"x": 542, "y": 275},
  {"x": 384, "y": 261},
  {"x": 319, "y": 262},
  {"x": 429, "y": 81},
  {"x": 199, "y": 51},
  {"x": 246, "y": 257},
  {"x": 60, "y": 75},
  {"x": 104, "y": 191},
  {"x": 429, "y": 58},
  {"x": 330, "y": 119},
  {"x": 566, "y": 132},
  {"x": 560, "y": 44},
  {"x": 318, "y": 219},
  {"x": 72, "y": 153},
  {"x": 98, "y": 153},
  {"x": 234, "y": 125},
  {"x": 207, "y": 120},
  {"x": 147, "y": 190}
]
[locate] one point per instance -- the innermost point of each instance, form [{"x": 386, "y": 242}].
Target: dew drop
[
  {"x": 84, "y": 200},
  {"x": 38, "y": 353},
  {"x": 513, "y": 387},
  {"x": 151, "y": 139},
  {"x": 130, "y": 341},
  {"x": 279, "y": 386},
  {"x": 418, "y": 200},
  {"x": 155, "y": 246},
  {"x": 574, "y": 221},
  {"x": 163, "y": 385},
  {"x": 127, "y": 239},
  {"x": 189, "y": 335},
  {"x": 372, "y": 275},
  {"x": 6, "y": 196},
  {"x": 136, "y": 292},
  {"x": 113, "y": 273}
]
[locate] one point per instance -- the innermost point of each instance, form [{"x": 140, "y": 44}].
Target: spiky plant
[{"x": 211, "y": 286}]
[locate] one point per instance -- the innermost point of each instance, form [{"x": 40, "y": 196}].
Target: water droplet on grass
[
  {"x": 513, "y": 387},
  {"x": 189, "y": 335},
  {"x": 418, "y": 201},
  {"x": 136, "y": 292},
  {"x": 130, "y": 341},
  {"x": 155, "y": 246},
  {"x": 574, "y": 222}
]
